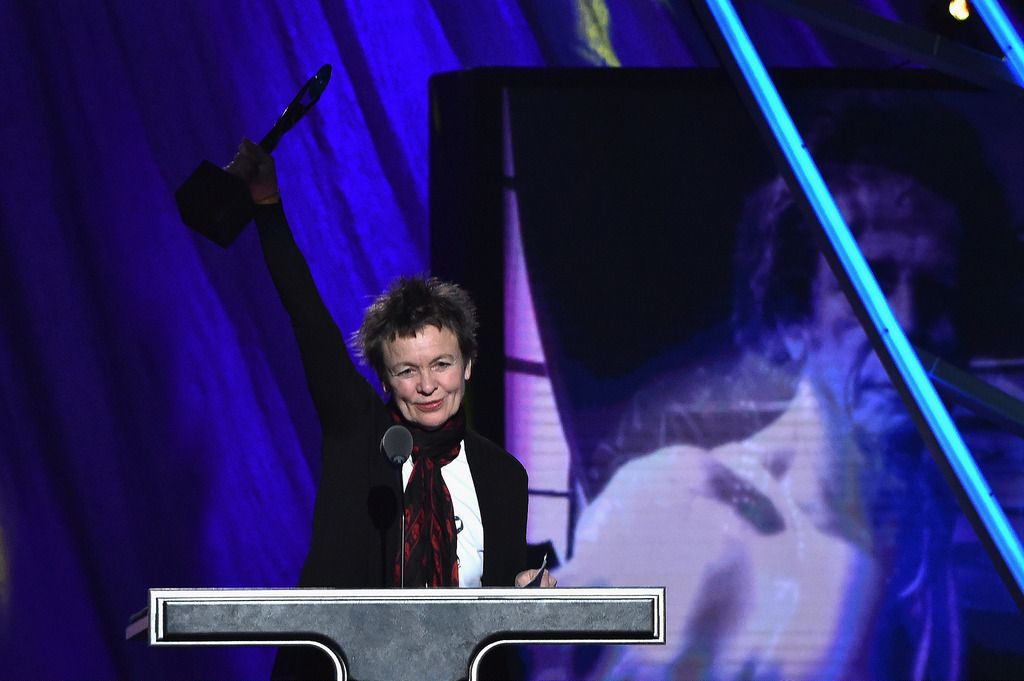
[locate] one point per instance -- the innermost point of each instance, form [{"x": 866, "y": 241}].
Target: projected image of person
[{"x": 814, "y": 543}]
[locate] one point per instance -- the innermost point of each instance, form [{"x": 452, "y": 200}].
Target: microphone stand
[
  {"x": 402, "y": 547},
  {"x": 396, "y": 445},
  {"x": 401, "y": 544}
]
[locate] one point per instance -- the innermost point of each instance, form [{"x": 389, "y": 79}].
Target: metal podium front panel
[{"x": 391, "y": 634}]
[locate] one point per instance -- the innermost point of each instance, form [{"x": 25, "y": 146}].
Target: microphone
[{"x": 396, "y": 444}]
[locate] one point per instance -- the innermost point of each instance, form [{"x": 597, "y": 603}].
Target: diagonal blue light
[
  {"x": 881, "y": 316},
  {"x": 1005, "y": 35}
]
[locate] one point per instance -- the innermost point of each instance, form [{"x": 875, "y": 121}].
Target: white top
[{"x": 470, "y": 529}]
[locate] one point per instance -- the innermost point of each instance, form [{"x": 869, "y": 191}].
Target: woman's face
[{"x": 427, "y": 375}]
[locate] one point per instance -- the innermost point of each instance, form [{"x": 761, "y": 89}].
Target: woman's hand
[
  {"x": 527, "y": 576},
  {"x": 256, "y": 168}
]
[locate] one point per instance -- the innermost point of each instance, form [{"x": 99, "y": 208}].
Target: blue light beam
[
  {"x": 1005, "y": 35},
  {"x": 865, "y": 285}
]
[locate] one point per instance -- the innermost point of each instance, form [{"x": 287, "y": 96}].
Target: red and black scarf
[{"x": 430, "y": 544}]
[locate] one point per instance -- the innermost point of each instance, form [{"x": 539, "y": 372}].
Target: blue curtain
[{"x": 155, "y": 428}]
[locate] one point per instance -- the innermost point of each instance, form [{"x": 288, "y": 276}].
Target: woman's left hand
[{"x": 527, "y": 576}]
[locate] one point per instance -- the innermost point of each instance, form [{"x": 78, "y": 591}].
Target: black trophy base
[{"x": 215, "y": 203}]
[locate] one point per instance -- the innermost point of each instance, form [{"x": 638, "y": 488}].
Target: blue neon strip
[
  {"x": 1005, "y": 35},
  {"x": 864, "y": 283}
]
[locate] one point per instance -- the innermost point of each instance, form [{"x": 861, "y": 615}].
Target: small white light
[{"x": 959, "y": 10}]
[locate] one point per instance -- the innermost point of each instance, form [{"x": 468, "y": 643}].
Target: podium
[{"x": 402, "y": 634}]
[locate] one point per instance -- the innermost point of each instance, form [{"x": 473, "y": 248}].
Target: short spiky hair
[{"x": 408, "y": 305}]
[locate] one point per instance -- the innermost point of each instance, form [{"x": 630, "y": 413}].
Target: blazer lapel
[{"x": 483, "y": 482}]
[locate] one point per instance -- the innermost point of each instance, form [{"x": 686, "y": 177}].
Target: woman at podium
[{"x": 463, "y": 498}]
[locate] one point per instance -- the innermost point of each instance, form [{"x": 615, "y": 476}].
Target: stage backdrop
[{"x": 155, "y": 429}]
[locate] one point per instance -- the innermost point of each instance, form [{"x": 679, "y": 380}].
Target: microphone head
[{"x": 397, "y": 444}]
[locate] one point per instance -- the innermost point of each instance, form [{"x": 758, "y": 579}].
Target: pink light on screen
[{"x": 533, "y": 430}]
